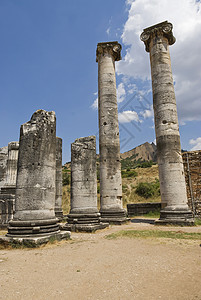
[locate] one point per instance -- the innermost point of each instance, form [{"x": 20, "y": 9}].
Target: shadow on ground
[{"x": 147, "y": 221}]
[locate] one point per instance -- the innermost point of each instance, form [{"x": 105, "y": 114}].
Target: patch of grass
[
  {"x": 154, "y": 234},
  {"x": 153, "y": 214},
  {"x": 197, "y": 222}
]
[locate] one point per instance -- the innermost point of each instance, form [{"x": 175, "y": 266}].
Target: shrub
[
  {"x": 130, "y": 173},
  {"x": 66, "y": 177},
  {"x": 148, "y": 190}
]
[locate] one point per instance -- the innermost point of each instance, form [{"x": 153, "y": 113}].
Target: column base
[
  {"x": 33, "y": 227},
  {"x": 59, "y": 215},
  {"x": 33, "y": 240},
  {"x": 180, "y": 218},
  {"x": 7, "y": 205},
  {"x": 114, "y": 217},
  {"x": 84, "y": 222}
]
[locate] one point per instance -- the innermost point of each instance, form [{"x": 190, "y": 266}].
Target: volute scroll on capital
[
  {"x": 161, "y": 29},
  {"x": 112, "y": 48}
]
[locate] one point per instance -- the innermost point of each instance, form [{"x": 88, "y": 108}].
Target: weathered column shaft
[
  {"x": 109, "y": 147},
  {"x": 58, "y": 195},
  {"x": 35, "y": 189},
  {"x": 83, "y": 176},
  {"x": 84, "y": 215},
  {"x": 3, "y": 165},
  {"x": 13, "y": 148},
  {"x": 7, "y": 196},
  {"x": 171, "y": 173}
]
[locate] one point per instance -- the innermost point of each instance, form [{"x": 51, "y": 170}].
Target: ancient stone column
[
  {"x": 110, "y": 166},
  {"x": 7, "y": 196},
  {"x": 3, "y": 165},
  {"x": 171, "y": 173},
  {"x": 58, "y": 194},
  {"x": 84, "y": 215},
  {"x": 13, "y": 148},
  {"x": 35, "y": 189}
]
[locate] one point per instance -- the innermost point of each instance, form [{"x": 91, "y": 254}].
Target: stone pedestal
[
  {"x": 84, "y": 215},
  {"x": 58, "y": 195},
  {"x": 171, "y": 173},
  {"x": 110, "y": 166},
  {"x": 35, "y": 190},
  {"x": 7, "y": 196}
]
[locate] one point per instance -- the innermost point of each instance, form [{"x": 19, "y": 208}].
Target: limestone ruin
[
  {"x": 84, "y": 215},
  {"x": 3, "y": 164},
  {"x": 109, "y": 148},
  {"x": 34, "y": 216},
  {"x": 175, "y": 210},
  {"x": 7, "y": 193},
  {"x": 58, "y": 193},
  {"x": 192, "y": 170}
]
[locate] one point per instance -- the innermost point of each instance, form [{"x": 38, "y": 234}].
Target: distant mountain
[{"x": 144, "y": 152}]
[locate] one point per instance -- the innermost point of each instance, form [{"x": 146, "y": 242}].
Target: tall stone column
[
  {"x": 35, "y": 190},
  {"x": 3, "y": 165},
  {"x": 171, "y": 173},
  {"x": 110, "y": 166},
  {"x": 84, "y": 215},
  {"x": 13, "y": 148},
  {"x": 7, "y": 196},
  {"x": 58, "y": 194}
]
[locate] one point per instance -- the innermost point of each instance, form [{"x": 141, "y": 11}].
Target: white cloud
[
  {"x": 121, "y": 93},
  {"x": 148, "y": 113},
  {"x": 128, "y": 116},
  {"x": 196, "y": 143},
  {"x": 95, "y": 104},
  {"x": 185, "y": 15},
  {"x": 108, "y": 31}
]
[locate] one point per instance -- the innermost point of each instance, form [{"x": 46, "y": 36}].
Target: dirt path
[{"x": 92, "y": 267}]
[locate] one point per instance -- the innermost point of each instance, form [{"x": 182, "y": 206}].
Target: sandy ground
[{"x": 92, "y": 267}]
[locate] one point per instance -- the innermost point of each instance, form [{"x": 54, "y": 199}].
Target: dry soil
[{"x": 89, "y": 266}]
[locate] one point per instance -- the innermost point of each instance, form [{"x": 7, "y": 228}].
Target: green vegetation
[
  {"x": 154, "y": 234},
  {"x": 132, "y": 163},
  {"x": 66, "y": 176},
  {"x": 152, "y": 214},
  {"x": 148, "y": 189},
  {"x": 128, "y": 173},
  {"x": 197, "y": 222}
]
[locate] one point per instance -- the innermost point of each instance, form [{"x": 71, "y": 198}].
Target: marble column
[
  {"x": 175, "y": 210},
  {"x": 3, "y": 165},
  {"x": 35, "y": 189},
  {"x": 109, "y": 148},
  {"x": 7, "y": 196},
  {"x": 84, "y": 215},
  {"x": 58, "y": 194}
]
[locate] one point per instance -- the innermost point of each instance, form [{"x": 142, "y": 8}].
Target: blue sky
[{"x": 48, "y": 61}]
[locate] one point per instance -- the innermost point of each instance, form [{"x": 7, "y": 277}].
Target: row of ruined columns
[{"x": 39, "y": 180}]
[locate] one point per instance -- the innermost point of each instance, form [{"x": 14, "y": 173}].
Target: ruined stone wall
[
  {"x": 192, "y": 170},
  {"x": 3, "y": 165}
]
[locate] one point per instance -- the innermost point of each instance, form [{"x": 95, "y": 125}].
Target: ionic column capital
[
  {"x": 111, "y": 48},
  {"x": 163, "y": 29}
]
